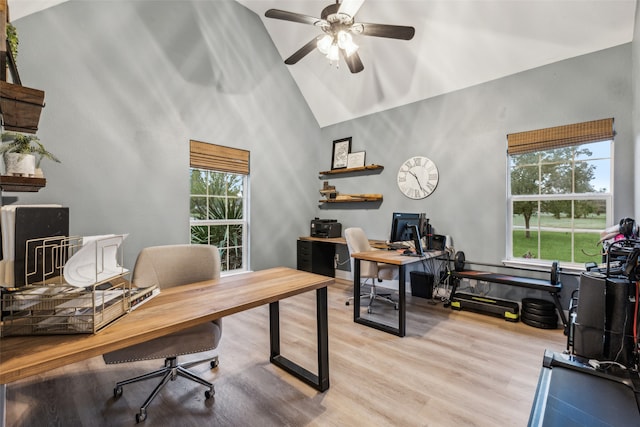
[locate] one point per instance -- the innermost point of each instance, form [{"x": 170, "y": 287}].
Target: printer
[{"x": 325, "y": 228}]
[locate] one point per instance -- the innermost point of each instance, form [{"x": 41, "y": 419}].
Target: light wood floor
[{"x": 452, "y": 369}]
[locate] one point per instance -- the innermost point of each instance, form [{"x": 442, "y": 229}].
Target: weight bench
[{"x": 552, "y": 286}]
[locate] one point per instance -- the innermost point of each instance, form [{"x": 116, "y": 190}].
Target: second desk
[{"x": 393, "y": 258}]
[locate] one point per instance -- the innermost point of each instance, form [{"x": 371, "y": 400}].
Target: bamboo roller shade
[
  {"x": 218, "y": 158},
  {"x": 560, "y": 136}
]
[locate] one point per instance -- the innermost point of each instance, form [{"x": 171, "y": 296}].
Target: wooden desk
[
  {"x": 172, "y": 310},
  {"x": 387, "y": 257}
]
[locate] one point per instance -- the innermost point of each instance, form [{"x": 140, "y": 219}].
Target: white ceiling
[{"x": 458, "y": 43}]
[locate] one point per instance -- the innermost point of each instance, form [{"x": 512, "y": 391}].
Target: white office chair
[
  {"x": 357, "y": 241},
  {"x": 168, "y": 266}
]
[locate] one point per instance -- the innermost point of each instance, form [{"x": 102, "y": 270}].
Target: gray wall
[
  {"x": 464, "y": 133},
  {"x": 129, "y": 83}
]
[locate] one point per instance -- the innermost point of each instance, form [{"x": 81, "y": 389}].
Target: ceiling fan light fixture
[
  {"x": 324, "y": 44},
  {"x": 345, "y": 42},
  {"x": 334, "y": 53}
]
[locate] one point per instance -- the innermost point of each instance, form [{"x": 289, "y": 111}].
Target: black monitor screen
[{"x": 400, "y": 226}]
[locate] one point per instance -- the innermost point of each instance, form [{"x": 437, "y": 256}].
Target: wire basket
[{"x": 74, "y": 285}]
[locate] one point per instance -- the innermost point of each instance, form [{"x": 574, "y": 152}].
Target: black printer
[{"x": 325, "y": 228}]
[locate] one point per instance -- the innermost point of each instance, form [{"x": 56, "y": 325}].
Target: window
[
  {"x": 219, "y": 208},
  {"x": 560, "y": 192}
]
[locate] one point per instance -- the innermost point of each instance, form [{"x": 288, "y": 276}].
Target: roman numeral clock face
[{"x": 417, "y": 177}]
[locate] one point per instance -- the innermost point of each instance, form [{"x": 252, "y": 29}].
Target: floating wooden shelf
[
  {"x": 351, "y": 170},
  {"x": 350, "y": 198},
  {"x": 21, "y": 183}
]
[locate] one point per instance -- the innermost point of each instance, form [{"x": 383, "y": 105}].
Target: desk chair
[
  {"x": 357, "y": 241},
  {"x": 168, "y": 266}
]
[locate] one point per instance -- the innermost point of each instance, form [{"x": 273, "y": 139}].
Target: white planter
[{"x": 20, "y": 164}]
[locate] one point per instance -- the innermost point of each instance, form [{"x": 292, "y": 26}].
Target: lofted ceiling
[{"x": 458, "y": 44}]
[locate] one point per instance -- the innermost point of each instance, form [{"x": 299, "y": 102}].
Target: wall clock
[{"x": 417, "y": 177}]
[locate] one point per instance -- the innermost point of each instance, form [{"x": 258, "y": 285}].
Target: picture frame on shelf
[
  {"x": 340, "y": 153},
  {"x": 356, "y": 160}
]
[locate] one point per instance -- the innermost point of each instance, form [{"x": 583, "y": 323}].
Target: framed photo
[
  {"x": 355, "y": 160},
  {"x": 340, "y": 154}
]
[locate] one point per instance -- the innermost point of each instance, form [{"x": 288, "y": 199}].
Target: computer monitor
[{"x": 400, "y": 231}]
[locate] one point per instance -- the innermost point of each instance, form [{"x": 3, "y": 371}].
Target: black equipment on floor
[
  {"x": 539, "y": 313},
  {"x": 508, "y": 310},
  {"x": 604, "y": 310}
]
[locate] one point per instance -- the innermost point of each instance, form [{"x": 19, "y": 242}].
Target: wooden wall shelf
[
  {"x": 350, "y": 198},
  {"x": 352, "y": 170},
  {"x": 21, "y": 183}
]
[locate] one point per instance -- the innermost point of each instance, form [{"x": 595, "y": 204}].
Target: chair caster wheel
[
  {"x": 395, "y": 306},
  {"x": 141, "y": 417},
  {"x": 209, "y": 393},
  {"x": 346, "y": 303},
  {"x": 214, "y": 364},
  {"x": 369, "y": 310},
  {"x": 117, "y": 392}
]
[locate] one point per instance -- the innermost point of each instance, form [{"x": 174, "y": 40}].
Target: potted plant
[{"x": 23, "y": 153}]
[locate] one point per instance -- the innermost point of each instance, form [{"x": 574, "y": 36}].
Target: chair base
[
  {"x": 373, "y": 295},
  {"x": 169, "y": 372}
]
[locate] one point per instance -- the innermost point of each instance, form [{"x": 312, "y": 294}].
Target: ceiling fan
[{"x": 337, "y": 22}]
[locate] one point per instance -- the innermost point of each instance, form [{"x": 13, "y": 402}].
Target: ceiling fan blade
[
  {"x": 388, "y": 31},
  {"x": 350, "y": 7},
  {"x": 302, "y": 52},
  {"x": 291, "y": 16},
  {"x": 353, "y": 61}
]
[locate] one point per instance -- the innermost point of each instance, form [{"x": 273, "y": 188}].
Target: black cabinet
[{"x": 316, "y": 257}]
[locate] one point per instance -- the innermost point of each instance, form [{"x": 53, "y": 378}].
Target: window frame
[
  {"x": 212, "y": 158},
  {"x": 608, "y": 197}
]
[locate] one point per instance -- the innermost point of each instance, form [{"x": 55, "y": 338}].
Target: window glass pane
[
  {"x": 524, "y": 180},
  {"x": 590, "y": 214},
  {"x": 557, "y": 178},
  {"x": 234, "y": 185},
  {"x": 235, "y": 235},
  {"x": 597, "y": 150},
  {"x": 555, "y": 245},
  {"x": 586, "y": 247},
  {"x": 525, "y": 215},
  {"x": 235, "y": 208},
  {"x": 200, "y": 234},
  {"x": 235, "y": 258},
  {"x": 593, "y": 176},
  {"x": 217, "y": 208},
  {"x": 525, "y": 243},
  {"x": 198, "y": 207},
  {"x": 199, "y": 181},
  {"x": 218, "y": 236}
]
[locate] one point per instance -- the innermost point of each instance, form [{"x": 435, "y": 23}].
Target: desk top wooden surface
[
  {"x": 394, "y": 257},
  {"x": 342, "y": 241},
  {"x": 172, "y": 310}
]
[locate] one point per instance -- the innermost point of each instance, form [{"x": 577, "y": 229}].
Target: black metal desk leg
[
  {"x": 402, "y": 302},
  {"x": 356, "y": 289},
  {"x": 321, "y": 381}
]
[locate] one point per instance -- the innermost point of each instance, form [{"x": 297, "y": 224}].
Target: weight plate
[
  {"x": 539, "y": 312},
  {"x": 552, "y": 320},
  {"x": 540, "y": 325},
  {"x": 554, "y": 273},
  {"x": 458, "y": 263},
  {"x": 539, "y": 304}
]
